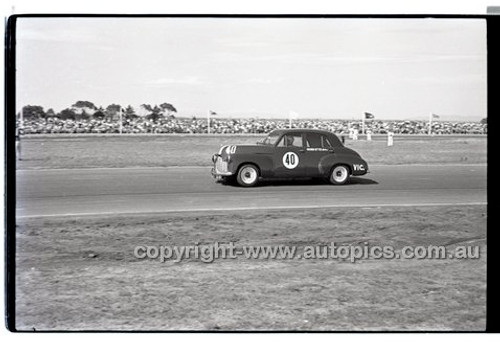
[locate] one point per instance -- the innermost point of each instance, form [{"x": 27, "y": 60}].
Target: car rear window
[{"x": 334, "y": 141}]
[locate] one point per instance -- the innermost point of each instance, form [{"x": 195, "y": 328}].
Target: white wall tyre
[
  {"x": 339, "y": 175},
  {"x": 248, "y": 175}
]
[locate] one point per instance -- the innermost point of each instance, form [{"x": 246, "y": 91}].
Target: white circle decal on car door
[{"x": 290, "y": 160}]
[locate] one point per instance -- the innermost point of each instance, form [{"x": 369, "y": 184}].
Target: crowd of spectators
[{"x": 52, "y": 125}]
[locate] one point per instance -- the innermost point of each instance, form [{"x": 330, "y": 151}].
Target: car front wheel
[
  {"x": 248, "y": 175},
  {"x": 339, "y": 175}
]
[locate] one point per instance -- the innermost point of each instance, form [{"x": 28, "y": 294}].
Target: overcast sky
[{"x": 319, "y": 68}]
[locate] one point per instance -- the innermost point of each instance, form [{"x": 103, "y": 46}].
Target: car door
[
  {"x": 317, "y": 146},
  {"x": 290, "y": 156}
]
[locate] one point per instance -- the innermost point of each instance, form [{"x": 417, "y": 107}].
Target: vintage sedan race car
[{"x": 289, "y": 153}]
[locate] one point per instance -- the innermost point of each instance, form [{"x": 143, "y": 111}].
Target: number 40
[{"x": 290, "y": 159}]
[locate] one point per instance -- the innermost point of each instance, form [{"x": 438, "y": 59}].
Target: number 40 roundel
[{"x": 290, "y": 160}]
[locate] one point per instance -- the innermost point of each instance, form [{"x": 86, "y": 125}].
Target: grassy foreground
[
  {"x": 159, "y": 151},
  {"x": 80, "y": 273}
]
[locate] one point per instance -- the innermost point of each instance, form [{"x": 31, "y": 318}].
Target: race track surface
[{"x": 61, "y": 192}]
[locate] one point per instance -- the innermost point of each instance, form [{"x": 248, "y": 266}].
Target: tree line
[{"x": 85, "y": 110}]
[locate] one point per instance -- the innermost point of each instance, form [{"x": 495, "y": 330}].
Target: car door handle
[{"x": 302, "y": 150}]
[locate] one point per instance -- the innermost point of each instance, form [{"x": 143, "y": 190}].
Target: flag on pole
[
  {"x": 431, "y": 117},
  {"x": 210, "y": 113},
  {"x": 121, "y": 119},
  {"x": 292, "y": 115},
  {"x": 368, "y": 116}
]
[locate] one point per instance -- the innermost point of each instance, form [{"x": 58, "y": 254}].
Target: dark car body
[{"x": 290, "y": 153}]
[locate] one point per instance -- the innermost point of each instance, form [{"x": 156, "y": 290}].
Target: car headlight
[{"x": 222, "y": 149}]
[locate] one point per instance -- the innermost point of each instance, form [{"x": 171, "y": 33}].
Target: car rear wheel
[
  {"x": 248, "y": 175},
  {"x": 339, "y": 175}
]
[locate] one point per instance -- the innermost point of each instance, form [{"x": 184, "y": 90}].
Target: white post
[
  {"x": 208, "y": 122},
  {"x": 363, "y": 125},
  {"x": 21, "y": 121},
  {"x": 121, "y": 120},
  {"x": 290, "y": 121},
  {"x": 430, "y": 123},
  {"x": 390, "y": 138}
]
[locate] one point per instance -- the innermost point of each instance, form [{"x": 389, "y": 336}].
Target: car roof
[
  {"x": 300, "y": 130},
  {"x": 335, "y": 141}
]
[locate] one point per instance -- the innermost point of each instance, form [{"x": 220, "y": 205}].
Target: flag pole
[
  {"x": 363, "y": 124},
  {"x": 121, "y": 120},
  {"x": 430, "y": 123},
  {"x": 208, "y": 122}
]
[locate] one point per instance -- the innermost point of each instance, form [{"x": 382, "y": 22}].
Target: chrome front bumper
[{"x": 220, "y": 168}]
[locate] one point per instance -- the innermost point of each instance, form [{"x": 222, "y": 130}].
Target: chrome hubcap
[
  {"x": 340, "y": 174},
  {"x": 248, "y": 175}
]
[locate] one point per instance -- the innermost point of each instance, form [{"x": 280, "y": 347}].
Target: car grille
[{"x": 220, "y": 165}]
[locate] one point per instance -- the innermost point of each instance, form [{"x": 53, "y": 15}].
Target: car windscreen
[{"x": 270, "y": 139}]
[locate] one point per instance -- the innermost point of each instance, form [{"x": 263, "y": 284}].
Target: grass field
[
  {"x": 159, "y": 151},
  {"x": 80, "y": 273}
]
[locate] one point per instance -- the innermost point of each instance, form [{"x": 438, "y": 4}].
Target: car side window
[
  {"x": 325, "y": 143},
  {"x": 313, "y": 140},
  {"x": 290, "y": 140},
  {"x": 318, "y": 141}
]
